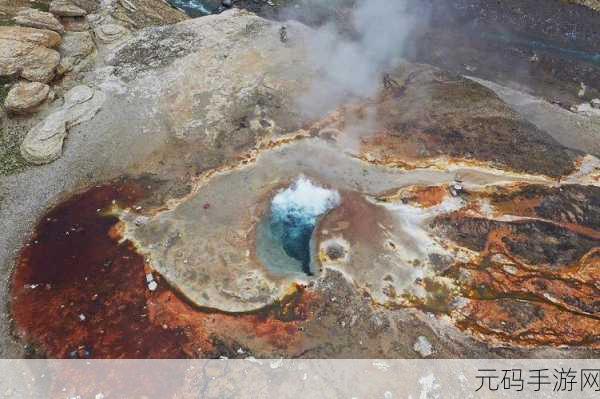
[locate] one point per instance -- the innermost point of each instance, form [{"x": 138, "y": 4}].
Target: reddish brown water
[
  {"x": 78, "y": 292},
  {"x": 89, "y": 298}
]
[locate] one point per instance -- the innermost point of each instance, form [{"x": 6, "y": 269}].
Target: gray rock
[
  {"x": 65, "y": 8},
  {"x": 74, "y": 50},
  {"x": 44, "y": 142},
  {"x": 110, "y": 33},
  {"x": 30, "y": 17},
  {"x": 596, "y": 103},
  {"x": 26, "y": 97},
  {"x": 423, "y": 346}
]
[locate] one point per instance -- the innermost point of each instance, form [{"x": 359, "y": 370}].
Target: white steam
[
  {"x": 351, "y": 65},
  {"x": 305, "y": 199}
]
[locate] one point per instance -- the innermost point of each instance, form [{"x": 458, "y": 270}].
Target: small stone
[
  {"x": 149, "y": 277},
  {"x": 82, "y": 317},
  {"x": 582, "y": 90},
  {"x": 65, "y": 8},
  {"x": 26, "y": 97},
  {"x": 456, "y": 189},
  {"x": 33, "y": 18},
  {"x": 152, "y": 285},
  {"x": 596, "y": 103},
  {"x": 423, "y": 346}
]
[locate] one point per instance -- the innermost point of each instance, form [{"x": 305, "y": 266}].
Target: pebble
[
  {"x": 152, "y": 285},
  {"x": 423, "y": 346}
]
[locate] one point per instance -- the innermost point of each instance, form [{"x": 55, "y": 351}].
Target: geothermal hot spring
[{"x": 284, "y": 238}]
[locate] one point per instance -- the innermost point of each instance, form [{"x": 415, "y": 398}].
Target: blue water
[
  {"x": 590, "y": 57},
  {"x": 196, "y": 8},
  {"x": 284, "y": 238}
]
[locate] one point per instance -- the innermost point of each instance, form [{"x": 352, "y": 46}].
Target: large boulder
[
  {"x": 65, "y": 8},
  {"x": 26, "y": 97},
  {"x": 28, "y": 53},
  {"x": 40, "y": 37},
  {"x": 30, "y": 17},
  {"x": 43, "y": 144}
]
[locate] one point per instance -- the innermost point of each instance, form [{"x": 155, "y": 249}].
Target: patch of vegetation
[
  {"x": 38, "y": 5},
  {"x": 5, "y": 84},
  {"x": 11, "y": 160}
]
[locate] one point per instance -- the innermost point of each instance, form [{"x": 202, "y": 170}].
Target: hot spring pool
[{"x": 284, "y": 237}]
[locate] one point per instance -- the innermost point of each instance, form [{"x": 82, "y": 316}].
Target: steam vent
[{"x": 316, "y": 179}]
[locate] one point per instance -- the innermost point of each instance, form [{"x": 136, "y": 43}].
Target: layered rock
[
  {"x": 28, "y": 53},
  {"x": 44, "y": 142},
  {"x": 25, "y": 97},
  {"x": 33, "y": 18},
  {"x": 40, "y": 37},
  {"x": 65, "y": 8}
]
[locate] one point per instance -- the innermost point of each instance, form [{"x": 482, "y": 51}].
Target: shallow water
[{"x": 533, "y": 44}]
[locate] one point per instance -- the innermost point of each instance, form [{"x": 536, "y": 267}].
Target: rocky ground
[{"x": 137, "y": 164}]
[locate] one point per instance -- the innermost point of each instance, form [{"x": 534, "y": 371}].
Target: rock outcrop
[
  {"x": 26, "y": 97},
  {"x": 44, "y": 142},
  {"x": 33, "y": 18},
  {"x": 74, "y": 50},
  {"x": 28, "y": 53},
  {"x": 40, "y": 37},
  {"x": 65, "y": 8}
]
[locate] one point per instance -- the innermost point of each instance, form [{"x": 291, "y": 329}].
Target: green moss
[
  {"x": 38, "y": 5},
  {"x": 4, "y": 89},
  {"x": 6, "y": 22}
]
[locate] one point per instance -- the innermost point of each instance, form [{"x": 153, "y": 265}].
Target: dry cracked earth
[{"x": 429, "y": 219}]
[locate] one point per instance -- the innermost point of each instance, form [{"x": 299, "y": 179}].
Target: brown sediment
[
  {"x": 78, "y": 292},
  {"x": 528, "y": 323},
  {"x": 534, "y": 280},
  {"x": 422, "y": 196},
  {"x": 356, "y": 218}
]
